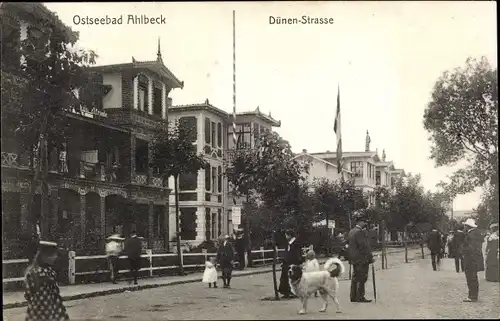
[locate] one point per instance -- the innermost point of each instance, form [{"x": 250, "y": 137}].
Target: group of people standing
[
  {"x": 132, "y": 248},
  {"x": 360, "y": 257},
  {"x": 465, "y": 246}
]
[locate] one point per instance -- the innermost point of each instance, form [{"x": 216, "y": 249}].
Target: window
[
  {"x": 157, "y": 102},
  {"x": 214, "y": 179},
  {"x": 219, "y": 179},
  {"x": 207, "y": 178},
  {"x": 207, "y": 224},
  {"x": 256, "y": 133},
  {"x": 207, "y": 130},
  {"x": 190, "y": 122},
  {"x": 219, "y": 221},
  {"x": 244, "y": 134},
  {"x": 141, "y": 157},
  {"x": 142, "y": 98},
  {"x": 377, "y": 178},
  {"x": 357, "y": 169},
  {"x": 219, "y": 134},
  {"x": 159, "y": 226},
  {"x": 188, "y": 223},
  {"x": 369, "y": 170},
  {"x": 188, "y": 181},
  {"x": 214, "y": 226},
  {"x": 213, "y": 134}
]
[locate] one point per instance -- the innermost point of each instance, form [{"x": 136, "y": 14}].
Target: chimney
[{"x": 304, "y": 151}]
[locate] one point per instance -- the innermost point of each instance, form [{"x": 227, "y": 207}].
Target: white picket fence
[{"x": 73, "y": 273}]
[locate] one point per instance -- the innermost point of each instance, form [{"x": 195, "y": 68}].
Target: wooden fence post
[
  {"x": 149, "y": 253},
  {"x": 181, "y": 267},
  {"x": 71, "y": 267}
]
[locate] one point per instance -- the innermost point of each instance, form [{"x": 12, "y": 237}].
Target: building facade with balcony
[
  {"x": 204, "y": 197},
  {"x": 99, "y": 177}
]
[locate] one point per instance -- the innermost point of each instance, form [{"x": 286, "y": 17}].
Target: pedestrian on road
[
  {"x": 239, "y": 246},
  {"x": 360, "y": 256},
  {"x": 41, "y": 289},
  {"x": 311, "y": 264},
  {"x": 113, "y": 251},
  {"x": 492, "y": 262},
  {"x": 473, "y": 258},
  {"x": 434, "y": 245},
  {"x": 456, "y": 249},
  {"x": 210, "y": 273},
  {"x": 225, "y": 257},
  {"x": 293, "y": 255},
  {"x": 133, "y": 249}
]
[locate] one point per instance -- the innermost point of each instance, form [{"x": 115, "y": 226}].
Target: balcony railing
[{"x": 10, "y": 159}]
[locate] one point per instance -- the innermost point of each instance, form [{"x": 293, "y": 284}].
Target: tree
[
  {"x": 36, "y": 92},
  {"x": 272, "y": 172},
  {"x": 462, "y": 119},
  {"x": 174, "y": 154}
]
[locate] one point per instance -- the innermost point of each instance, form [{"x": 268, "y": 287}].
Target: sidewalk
[{"x": 74, "y": 292}]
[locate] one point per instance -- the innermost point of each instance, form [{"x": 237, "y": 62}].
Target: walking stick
[{"x": 374, "y": 283}]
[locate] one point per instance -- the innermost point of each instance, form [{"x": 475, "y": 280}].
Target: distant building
[
  {"x": 204, "y": 200},
  {"x": 322, "y": 169}
]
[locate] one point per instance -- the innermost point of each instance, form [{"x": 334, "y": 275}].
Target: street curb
[{"x": 21, "y": 304}]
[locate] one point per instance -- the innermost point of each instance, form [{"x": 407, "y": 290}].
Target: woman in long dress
[
  {"x": 492, "y": 263},
  {"x": 41, "y": 289}
]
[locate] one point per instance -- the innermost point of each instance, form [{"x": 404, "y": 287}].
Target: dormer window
[{"x": 142, "y": 98}]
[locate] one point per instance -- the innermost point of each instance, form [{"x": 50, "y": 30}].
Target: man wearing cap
[
  {"x": 473, "y": 258},
  {"x": 133, "y": 248},
  {"x": 113, "y": 251},
  {"x": 225, "y": 257},
  {"x": 360, "y": 256}
]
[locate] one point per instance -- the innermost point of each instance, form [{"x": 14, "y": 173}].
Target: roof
[
  {"x": 257, "y": 113},
  {"x": 203, "y": 106},
  {"x": 37, "y": 10},
  {"x": 321, "y": 160},
  {"x": 344, "y": 154},
  {"x": 155, "y": 66}
]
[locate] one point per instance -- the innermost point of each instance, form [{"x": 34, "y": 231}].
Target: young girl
[
  {"x": 210, "y": 274},
  {"x": 311, "y": 264},
  {"x": 41, "y": 289}
]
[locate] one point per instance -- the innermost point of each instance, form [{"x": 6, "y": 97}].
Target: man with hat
[
  {"x": 113, "y": 251},
  {"x": 360, "y": 256},
  {"x": 434, "y": 241},
  {"x": 473, "y": 258},
  {"x": 225, "y": 257}
]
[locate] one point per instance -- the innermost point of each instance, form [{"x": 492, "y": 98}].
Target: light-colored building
[
  {"x": 368, "y": 169},
  {"x": 204, "y": 201},
  {"x": 320, "y": 168}
]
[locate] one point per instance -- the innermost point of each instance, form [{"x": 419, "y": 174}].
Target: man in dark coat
[
  {"x": 473, "y": 258},
  {"x": 434, "y": 244},
  {"x": 456, "y": 245},
  {"x": 293, "y": 255},
  {"x": 133, "y": 249},
  {"x": 225, "y": 257},
  {"x": 360, "y": 256},
  {"x": 239, "y": 246}
]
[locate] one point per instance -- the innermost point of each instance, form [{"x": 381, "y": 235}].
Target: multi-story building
[
  {"x": 367, "y": 168},
  {"x": 320, "y": 168},
  {"x": 99, "y": 177},
  {"x": 204, "y": 201}
]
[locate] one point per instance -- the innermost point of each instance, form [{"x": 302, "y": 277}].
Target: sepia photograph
[{"x": 255, "y": 160}]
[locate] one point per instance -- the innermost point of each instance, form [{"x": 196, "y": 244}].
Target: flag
[{"x": 338, "y": 132}]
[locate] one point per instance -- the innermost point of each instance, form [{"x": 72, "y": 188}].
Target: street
[{"x": 410, "y": 290}]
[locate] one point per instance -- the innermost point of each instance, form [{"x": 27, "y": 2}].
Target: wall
[
  {"x": 319, "y": 169},
  {"x": 114, "y": 98}
]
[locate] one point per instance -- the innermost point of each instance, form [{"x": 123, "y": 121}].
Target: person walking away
[
  {"x": 133, "y": 249},
  {"x": 444, "y": 238},
  {"x": 473, "y": 258},
  {"x": 456, "y": 245},
  {"x": 239, "y": 246},
  {"x": 225, "y": 257},
  {"x": 434, "y": 245},
  {"x": 113, "y": 251},
  {"x": 311, "y": 264},
  {"x": 293, "y": 255},
  {"x": 41, "y": 289},
  {"x": 492, "y": 261},
  {"x": 210, "y": 273},
  {"x": 360, "y": 256}
]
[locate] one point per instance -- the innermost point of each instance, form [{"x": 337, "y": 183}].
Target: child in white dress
[
  {"x": 210, "y": 274},
  {"x": 311, "y": 264}
]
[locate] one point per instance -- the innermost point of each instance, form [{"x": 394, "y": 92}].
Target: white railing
[{"x": 73, "y": 273}]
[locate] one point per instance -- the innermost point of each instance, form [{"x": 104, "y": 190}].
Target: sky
[{"x": 385, "y": 56}]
